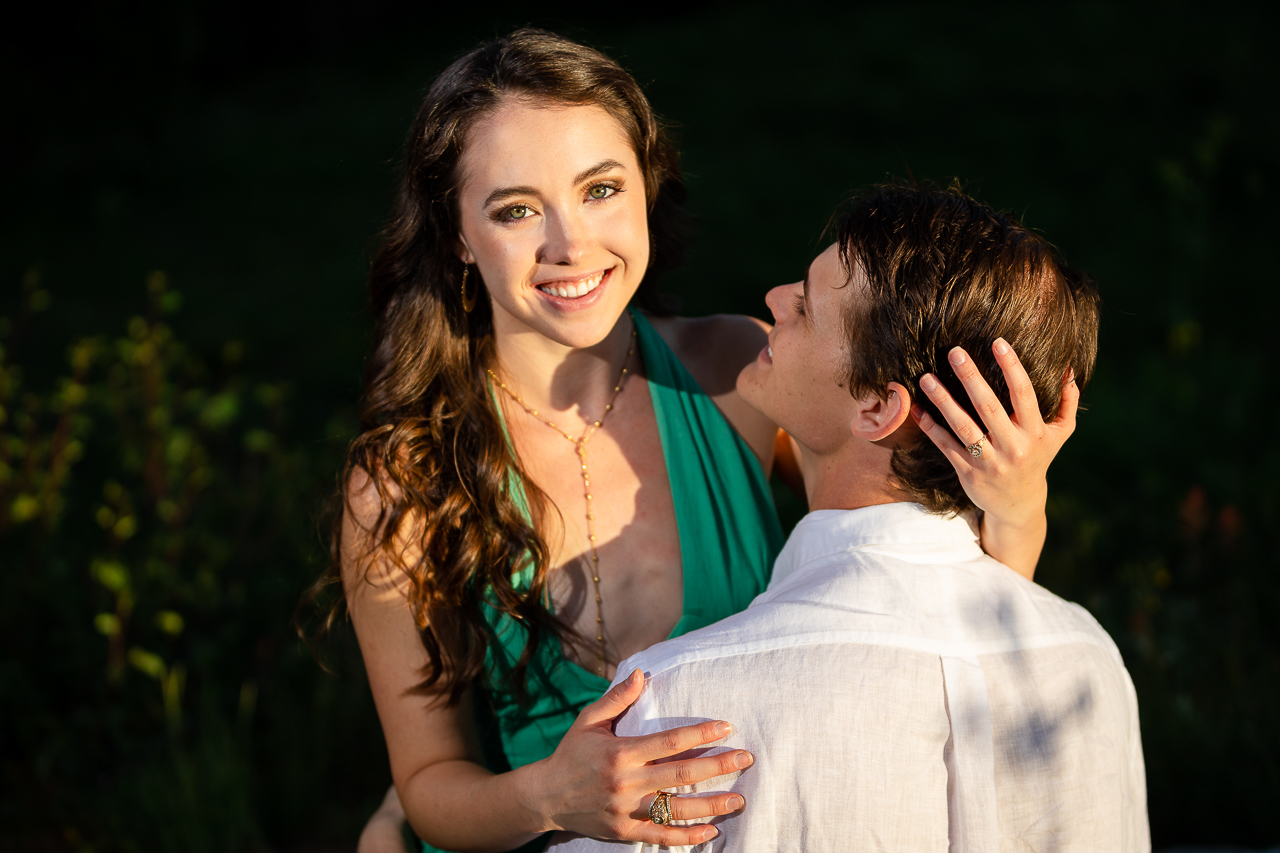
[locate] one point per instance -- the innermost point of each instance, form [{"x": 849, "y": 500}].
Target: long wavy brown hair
[{"x": 431, "y": 439}]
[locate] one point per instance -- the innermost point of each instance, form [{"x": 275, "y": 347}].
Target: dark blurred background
[{"x": 191, "y": 195}]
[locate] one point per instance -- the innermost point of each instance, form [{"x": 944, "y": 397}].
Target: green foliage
[
  {"x": 1162, "y": 524},
  {"x": 156, "y": 531},
  {"x": 1141, "y": 141}
]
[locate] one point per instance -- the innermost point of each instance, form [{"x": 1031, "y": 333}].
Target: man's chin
[{"x": 751, "y": 391}]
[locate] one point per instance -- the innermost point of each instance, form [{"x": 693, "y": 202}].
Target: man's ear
[{"x": 878, "y": 417}]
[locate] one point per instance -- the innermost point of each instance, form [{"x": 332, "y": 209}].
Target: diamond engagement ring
[
  {"x": 660, "y": 808},
  {"x": 975, "y": 449}
]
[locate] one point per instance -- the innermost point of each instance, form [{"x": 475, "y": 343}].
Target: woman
[{"x": 546, "y": 480}]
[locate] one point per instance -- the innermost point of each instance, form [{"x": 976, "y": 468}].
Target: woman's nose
[{"x": 565, "y": 241}]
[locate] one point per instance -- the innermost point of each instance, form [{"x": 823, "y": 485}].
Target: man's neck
[{"x": 856, "y": 476}]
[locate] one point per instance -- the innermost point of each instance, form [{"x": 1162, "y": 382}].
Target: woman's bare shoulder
[
  {"x": 364, "y": 562},
  {"x": 714, "y": 350}
]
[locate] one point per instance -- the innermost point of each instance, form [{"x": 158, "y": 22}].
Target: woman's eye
[
  {"x": 600, "y": 191},
  {"x": 517, "y": 212}
]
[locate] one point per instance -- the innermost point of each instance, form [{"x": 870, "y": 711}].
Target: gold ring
[
  {"x": 660, "y": 808},
  {"x": 975, "y": 449}
]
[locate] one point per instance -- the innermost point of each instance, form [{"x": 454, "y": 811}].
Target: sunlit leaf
[
  {"x": 111, "y": 574},
  {"x": 148, "y": 662}
]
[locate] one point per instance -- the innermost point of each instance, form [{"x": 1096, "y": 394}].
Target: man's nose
[
  {"x": 565, "y": 240},
  {"x": 778, "y": 300}
]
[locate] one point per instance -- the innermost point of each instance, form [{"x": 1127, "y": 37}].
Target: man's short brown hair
[{"x": 945, "y": 270}]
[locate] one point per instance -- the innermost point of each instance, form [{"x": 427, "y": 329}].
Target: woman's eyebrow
[
  {"x": 598, "y": 169},
  {"x": 504, "y": 193}
]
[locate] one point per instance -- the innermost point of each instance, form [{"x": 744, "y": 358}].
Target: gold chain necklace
[{"x": 580, "y": 447}]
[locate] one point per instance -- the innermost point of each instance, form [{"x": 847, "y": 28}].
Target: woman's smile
[
  {"x": 553, "y": 216},
  {"x": 573, "y": 292}
]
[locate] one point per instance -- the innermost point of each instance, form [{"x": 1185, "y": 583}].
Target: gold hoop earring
[{"x": 468, "y": 302}]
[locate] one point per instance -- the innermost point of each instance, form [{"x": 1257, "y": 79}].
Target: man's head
[{"x": 915, "y": 272}]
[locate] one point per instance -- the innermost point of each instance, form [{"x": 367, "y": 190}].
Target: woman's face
[{"x": 553, "y": 214}]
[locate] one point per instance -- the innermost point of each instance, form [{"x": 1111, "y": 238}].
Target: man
[{"x": 899, "y": 689}]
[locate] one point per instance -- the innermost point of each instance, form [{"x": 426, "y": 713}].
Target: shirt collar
[{"x": 905, "y": 529}]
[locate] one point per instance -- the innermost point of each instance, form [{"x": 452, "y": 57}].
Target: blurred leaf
[
  {"x": 259, "y": 440},
  {"x": 113, "y": 575},
  {"x": 107, "y": 624},
  {"x": 125, "y": 527},
  {"x": 220, "y": 410},
  {"x": 169, "y": 622},
  {"x": 147, "y": 662},
  {"x": 24, "y": 508}
]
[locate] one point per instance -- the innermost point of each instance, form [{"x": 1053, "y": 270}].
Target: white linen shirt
[{"x": 902, "y": 691}]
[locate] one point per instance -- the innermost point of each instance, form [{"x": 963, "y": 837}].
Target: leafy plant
[{"x": 156, "y": 529}]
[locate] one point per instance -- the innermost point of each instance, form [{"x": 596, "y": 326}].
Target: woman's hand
[
  {"x": 1007, "y": 480},
  {"x": 384, "y": 833},
  {"x": 601, "y": 785}
]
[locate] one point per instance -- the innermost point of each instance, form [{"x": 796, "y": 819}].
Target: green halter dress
[{"x": 729, "y": 537}]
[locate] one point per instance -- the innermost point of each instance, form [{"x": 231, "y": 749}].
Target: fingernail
[
  {"x": 1000, "y": 346},
  {"x": 723, "y": 729},
  {"x": 711, "y": 833},
  {"x": 744, "y": 759},
  {"x": 956, "y": 356},
  {"x": 928, "y": 383},
  {"x": 635, "y": 673},
  {"x": 735, "y": 802}
]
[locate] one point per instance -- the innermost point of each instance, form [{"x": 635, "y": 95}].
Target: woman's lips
[
  {"x": 577, "y": 293},
  {"x": 573, "y": 289}
]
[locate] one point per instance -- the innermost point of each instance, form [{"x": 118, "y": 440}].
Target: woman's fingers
[
  {"x": 695, "y": 806},
  {"x": 963, "y": 425},
  {"x": 674, "y": 836},
  {"x": 619, "y": 698},
  {"x": 684, "y": 808},
  {"x": 688, "y": 771},
  {"x": 1066, "y": 419},
  {"x": 958, "y": 456},
  {"x": 1026, "y": 408},
  {"x": 984, "y": 400},
  {"x": 646, "y": 748}
]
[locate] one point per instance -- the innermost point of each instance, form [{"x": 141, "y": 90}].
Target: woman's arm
[
  {"x": 1007, "y": 481},
  {"x": 714, "y": 350},
  {"x": 594, "y": 783},
  {"x": 1012, "y": 491}
]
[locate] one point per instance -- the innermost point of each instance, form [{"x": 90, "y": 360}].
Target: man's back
[{"x": 902, "y": 691}]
